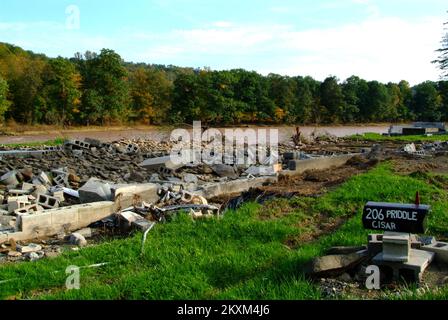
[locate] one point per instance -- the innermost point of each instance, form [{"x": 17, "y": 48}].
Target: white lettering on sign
[
  {"x": 403, "y": 215},
  {"x": 377, "y": 214},
  {"x": 384, "y": 225}
]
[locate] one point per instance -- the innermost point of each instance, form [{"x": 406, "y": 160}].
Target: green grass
[
  {"x": 240, "y": 256},
  {"x": 55, "y": 142},
  {"x": 378, "y": 137}
]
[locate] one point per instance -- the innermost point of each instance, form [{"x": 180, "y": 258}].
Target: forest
[{"x": 102, "y": 89}]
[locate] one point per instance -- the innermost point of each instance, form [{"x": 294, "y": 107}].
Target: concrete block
[
  {"x": 375, "y": 244},
  {"x": 28, "y": 209},
  {"x": 61, "y": 180},
  {"x": 132, "y": 149},
  {"x": 418, "y": 261},
  {"x": 29, "y": 248},
  {"x": 19, "y": 202},
  {"x": 142, "y": 224},
  {"x": 440, "y": 249},
  {"x": 95, "y": 190},
  {"x": 44, "y": 179},
  {"x": 396, "y": 246},
  {"x": 9, "y": 178},
  {"x": 39, "y": 189},
  {"x": 17, "y": 193},
  {"x": 156, "y": 163},
  {"x": 59, "y": 195},
  {"x": 125, "y": 219},
  {"x": 35, "y": 224},
  {"x": 47, "y": 202},
  {"x": 81, "y": 144}
]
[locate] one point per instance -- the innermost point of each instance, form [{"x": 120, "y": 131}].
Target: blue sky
[{"x": 375, "y": 39}]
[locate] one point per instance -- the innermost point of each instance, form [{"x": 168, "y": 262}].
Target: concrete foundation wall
[
  {"x": 235, "y": 186},
  {"x": 317, "y": 164},
  {"x": 125, "y": 196},
  {"x": 51, "y": 222}
]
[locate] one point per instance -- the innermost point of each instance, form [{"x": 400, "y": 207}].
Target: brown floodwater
[{"x": 161, "y": 134}]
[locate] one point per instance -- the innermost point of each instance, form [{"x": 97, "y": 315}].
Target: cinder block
[
  {"x": 28, "y": 209},
  {"x": 396, "y": 246},
  {"x": 59, "y": 195},
  {"x": 440, "y": 249},
  {"x": 61, "y": 180},
  {"x": 47, "y": 202},
  {"x": 375, "y": 244},
  {"x": 35, "y": 223},
  {"x": 132, "y": 148},
  {"x": 43, "y": 178},
  {"x": 15, "y": 203}
]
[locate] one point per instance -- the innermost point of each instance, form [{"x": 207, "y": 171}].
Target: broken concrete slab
[
  {"x": 54, "y": 221},
  {"x": 9, "y": 179},
  {"x": 212, "y": 190},
  {"x": 125, "y": 219},
  {"x": 126, "y": 195},
  {"x": 440, "y": 249},
  {"x": 95, "y": 190},
  {"x": 29, "y": 248},
  {"x": 297, "y": 167},
  {"x": 224, "y": 170},
  {"x": 335, "y": 265},
  {"x": 161, "y": 162},
  {"x": 263, "y": 170}
]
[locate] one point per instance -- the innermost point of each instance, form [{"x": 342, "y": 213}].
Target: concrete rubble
[{"x": 127, "y": 185}]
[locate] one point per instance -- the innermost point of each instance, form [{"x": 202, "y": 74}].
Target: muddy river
[{"x": 160, "y": 134}]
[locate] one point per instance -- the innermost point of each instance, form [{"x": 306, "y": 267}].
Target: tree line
[{"x": 100, "y": 88}]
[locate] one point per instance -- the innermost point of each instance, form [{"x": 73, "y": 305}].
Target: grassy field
[
  {"x": 378, "y": 137},
  {"x": 243, "y": 255},
  {"x": 54, "y": 142}
]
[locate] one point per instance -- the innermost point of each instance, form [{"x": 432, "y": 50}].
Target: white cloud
[
  {"x": 385, "y": 49},
  {"x": 380, "y": 48}
]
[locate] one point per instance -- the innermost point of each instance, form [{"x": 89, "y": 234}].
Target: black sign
[{"x": 395, "y": 217}]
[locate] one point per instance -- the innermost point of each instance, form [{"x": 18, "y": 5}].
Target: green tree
[
  {"x": 62, "y": 91},
  {"x": 378, "y": 102},
  {"x": 4, "y": 102},
  {"x": 332, "y": 100},
  {"x": 106, "y": 97},
  {"x": 28, "y": 105},
  {"x": 427, "y": 102}
]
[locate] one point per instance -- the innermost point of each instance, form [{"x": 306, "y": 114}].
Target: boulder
[
  {"x": 335, "y": 265},
  {"x": 77, "y": 240}
]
